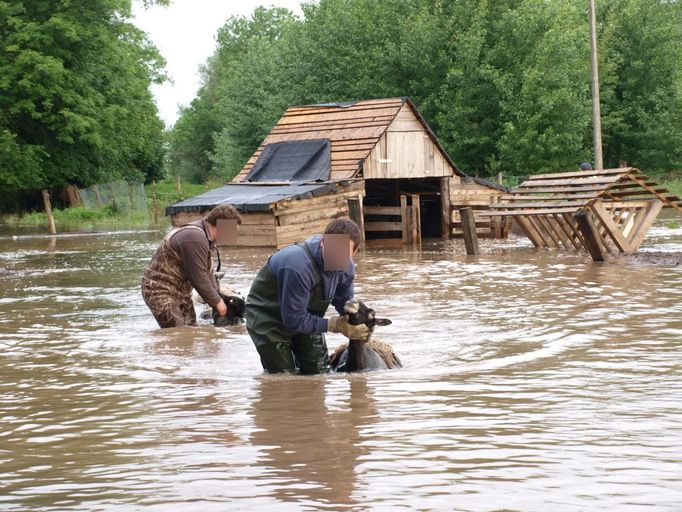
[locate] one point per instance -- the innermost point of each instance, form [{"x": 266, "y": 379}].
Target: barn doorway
[{"x": 390, "y": 204}]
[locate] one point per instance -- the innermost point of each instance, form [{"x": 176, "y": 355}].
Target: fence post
[
  {"x": 155, "y": 205},
  {"x": 48, "y": 210},
  {"x": 178, "y": 186}
]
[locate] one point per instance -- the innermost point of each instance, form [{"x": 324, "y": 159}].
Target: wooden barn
[
  {"x": 601, "y": 212},
  {"x": 376, "y": 161}
]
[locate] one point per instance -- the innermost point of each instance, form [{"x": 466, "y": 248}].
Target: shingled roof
[{"x": 353, "y": 130}]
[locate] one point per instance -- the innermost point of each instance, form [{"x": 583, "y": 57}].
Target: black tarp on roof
[
  {"x": 297, "y": 161},
  {"x": 250, "y": 198}
]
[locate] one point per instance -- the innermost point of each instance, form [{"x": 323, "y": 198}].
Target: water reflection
[{"x": 310, "y": 442}]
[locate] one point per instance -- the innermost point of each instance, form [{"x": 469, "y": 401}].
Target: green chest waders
[{"x": 280, "y": 349}]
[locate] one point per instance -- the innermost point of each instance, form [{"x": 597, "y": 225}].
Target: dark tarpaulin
[
  {"x": 250, "y": 197},
  {"x": 297, "y": 161}
]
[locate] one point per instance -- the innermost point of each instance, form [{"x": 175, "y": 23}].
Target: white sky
[{"x": 184, "y": 32}]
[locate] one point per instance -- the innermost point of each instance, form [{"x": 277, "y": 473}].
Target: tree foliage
[
  {"x": 505, "y": 84},
  {"x": 75, "y": 104}
]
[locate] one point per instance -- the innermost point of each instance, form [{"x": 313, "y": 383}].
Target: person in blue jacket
[{"x": 287, "y": 301}]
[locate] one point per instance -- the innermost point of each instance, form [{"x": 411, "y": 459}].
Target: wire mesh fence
[{"x": 119, "y": 195}]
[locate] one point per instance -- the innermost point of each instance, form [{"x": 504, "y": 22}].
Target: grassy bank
[{"x": 81, "y": 218}]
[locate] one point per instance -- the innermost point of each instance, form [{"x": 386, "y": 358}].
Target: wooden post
[
  {"x": 589, "y": 231},
  {"x": 404, "y": 219},
  {"x": 356, "y": 214},
  {"x": 416, "y": 228},
  {"x": 155, "y": 205},
  {"x": 178, "y": 186},
  {"x": 466, "y": 216},
  {"x": 48, "y": 210},
  {"x": 445, "y": 206}
]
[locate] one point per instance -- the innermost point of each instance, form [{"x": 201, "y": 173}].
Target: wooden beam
[
  {"x": 469, "y": 230},
  {"x": 404, "y": 219},
  {"x": 645, "y": 218},
  {"x": 542, "y": 221},
  {"x": 660, "y": 197},
  {"x": 611, "y": 227},
  {"x": 416, "y": 220},
  {"x": 579, "y": 174},
  {"x": 445, "y": 206},
  {"x": 589, "y": 231},
  {"x": 568, "y": 231},
  {"x": 570, "y": 220},
  {"x": 531, "y": 232},
  {"x": 382, "y": 210}
]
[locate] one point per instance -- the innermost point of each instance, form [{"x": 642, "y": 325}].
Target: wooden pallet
[{"x": 597, "y": 211}]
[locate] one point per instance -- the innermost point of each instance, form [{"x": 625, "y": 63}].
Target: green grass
[{"x": 80, "y": 218}]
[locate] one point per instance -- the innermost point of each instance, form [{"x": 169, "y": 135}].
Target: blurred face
[
  {"x": 226, "y": 232},
  {"x": 337, "y": 250}
]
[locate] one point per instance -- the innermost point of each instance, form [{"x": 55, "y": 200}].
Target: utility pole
[{"x": 596, "y": 110}]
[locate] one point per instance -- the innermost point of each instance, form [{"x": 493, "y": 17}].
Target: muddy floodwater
[{"x": 532, "y": 381}]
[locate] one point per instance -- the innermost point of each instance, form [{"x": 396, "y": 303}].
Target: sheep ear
[{"x": 382, "y": 321}]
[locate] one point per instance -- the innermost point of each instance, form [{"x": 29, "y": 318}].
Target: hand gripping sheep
[{"x": 363, "y": 355}]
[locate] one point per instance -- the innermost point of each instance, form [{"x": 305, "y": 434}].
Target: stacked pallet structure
[{"x": 601, "y": 211}]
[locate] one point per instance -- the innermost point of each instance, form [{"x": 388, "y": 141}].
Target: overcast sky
[{"x": 185, "y": 32}]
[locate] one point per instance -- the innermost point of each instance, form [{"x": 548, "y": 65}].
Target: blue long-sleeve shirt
[{"x": 296, "y": 284}]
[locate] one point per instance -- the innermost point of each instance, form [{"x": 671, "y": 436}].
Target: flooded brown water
[{"x": 533, "y": 380}]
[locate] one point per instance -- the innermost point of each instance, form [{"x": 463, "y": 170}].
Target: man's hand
[
  {"x": 352, "y": 332},
  {"x": 221, "y": 308}
]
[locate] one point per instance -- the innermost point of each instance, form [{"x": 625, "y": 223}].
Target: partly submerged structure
[
  {"x": 602, "y": 211},
  {"x": 376, "y": 161}
]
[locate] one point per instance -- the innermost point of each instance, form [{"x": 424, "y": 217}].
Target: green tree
[
  {"x": 641, "y": 83},
  {"x": 75, "y": 105}
]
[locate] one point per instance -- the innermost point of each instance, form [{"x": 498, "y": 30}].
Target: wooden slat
[
  {"x": 611, "y": 227},
  {"x": 531, "y": 232},
  {"x": 570, "y": 221},
  {"x": 557, "y": 190},
  {"x": 544, "y": 227},
  {"x": 644, "y": 221},
  {"x": 609, "y": 205},
  {"x": 382, "y": 210},
  {"x": 568, "y": 231},
  {"x": 563, "y": 204},
  {"x": 338, "y": 115},
  {"x": 579, "y": 174},
  {"x": 360, "y": 105},
  {"x": 597, "y": 180},
  {"x": 514, "y": 213},
  {"x": 653, "y": 191},
  {"x": 557, "y": 197},
  {"x": 592, "y": 244},
  {"x": 383, "y": 226}
]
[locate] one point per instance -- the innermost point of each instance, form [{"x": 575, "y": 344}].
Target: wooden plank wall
[
  {"x": 256, "y": 230},
  {"x": 297, "y": 220},
  {"x": 406, "y": 151},
  {"x": 479, "y": 198}
]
